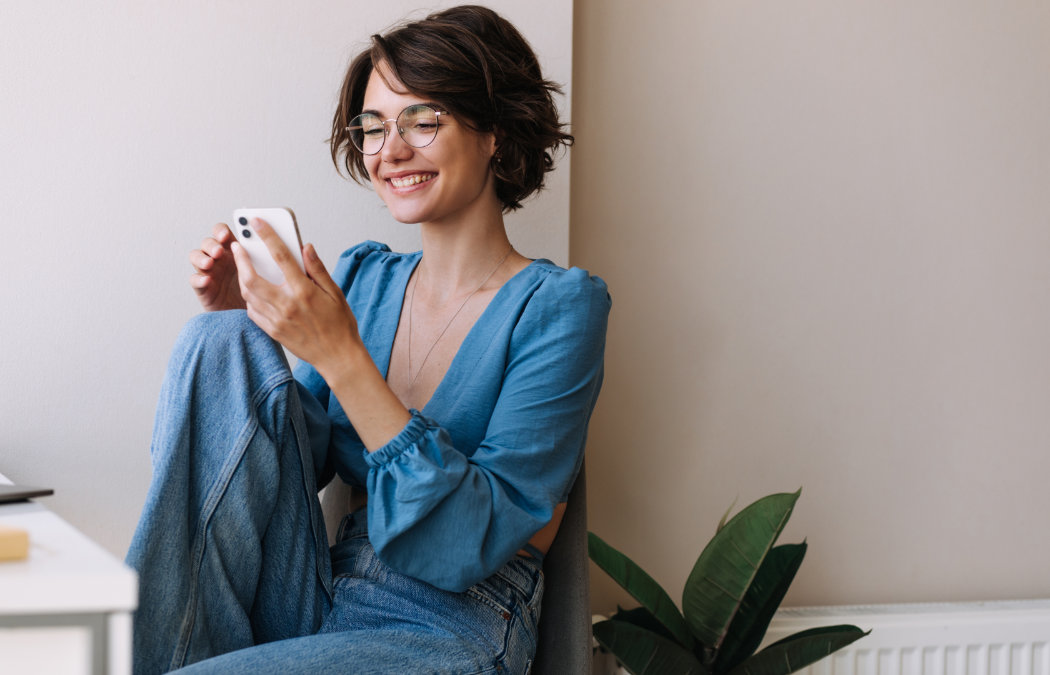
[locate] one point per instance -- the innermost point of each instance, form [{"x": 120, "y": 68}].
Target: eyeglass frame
[{"x": 400, "y": 130}]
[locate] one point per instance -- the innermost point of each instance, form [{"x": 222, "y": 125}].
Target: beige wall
[
  {"x": 127, "y": 129},
  {"x": 826, "y": 227}
]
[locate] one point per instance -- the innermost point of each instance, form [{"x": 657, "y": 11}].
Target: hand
[
  {"x": 308, "y": 313},
  {"x": 215, "y": 279}
]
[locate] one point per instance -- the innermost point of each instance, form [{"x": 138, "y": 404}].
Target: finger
[
  {"x": 254, "y": 288},
  {"x": 214, "y": 248},
  {"x": 222, "y": 233},
  {"x": 245, "y": 271},
  {"x": 256, "y": 292},
  {"x": 260, "y": 320},
  {"x": 281, "y": 255},
  {"x": 317, "y": 271},
  {"x": 201, "y": 261}
]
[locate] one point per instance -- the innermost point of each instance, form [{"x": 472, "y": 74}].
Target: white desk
[{"x": 67, "y": 607}]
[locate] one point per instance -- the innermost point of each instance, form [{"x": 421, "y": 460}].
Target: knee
[
  {"x": 220, "y": 340},
  {"x": 216, "y": 325},
  {"x": 230, "y": 327}
]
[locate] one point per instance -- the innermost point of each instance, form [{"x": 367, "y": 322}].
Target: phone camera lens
[
  {"x": 242, "y": 220},
  {"x": 246, "y": 233}
]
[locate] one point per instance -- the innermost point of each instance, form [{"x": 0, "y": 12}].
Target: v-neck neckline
[{"x": 398, "y": 308}]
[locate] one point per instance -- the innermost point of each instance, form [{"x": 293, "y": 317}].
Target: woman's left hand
[{"x": 308, "y": 313}]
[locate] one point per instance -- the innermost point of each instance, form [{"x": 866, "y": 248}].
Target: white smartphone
[{"x": 282, "y": 221}]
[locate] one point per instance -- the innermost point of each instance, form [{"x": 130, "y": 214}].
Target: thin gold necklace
[{"x": 412, "y": 311}]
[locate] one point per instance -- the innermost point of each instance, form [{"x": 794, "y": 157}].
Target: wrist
[
  {"x": 349, "y": 364},
  {"x": 371, "y": 406}
]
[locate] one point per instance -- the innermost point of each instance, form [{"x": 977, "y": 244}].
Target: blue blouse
[{"x": 480, "y": 469}]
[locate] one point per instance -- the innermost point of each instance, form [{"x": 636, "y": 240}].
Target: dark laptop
[{"x": 17, "y": 493}]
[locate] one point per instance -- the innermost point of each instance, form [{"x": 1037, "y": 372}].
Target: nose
[{"x": 394, "y": 147}]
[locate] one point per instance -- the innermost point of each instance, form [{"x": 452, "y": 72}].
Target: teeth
[{"x": 414, "y": 179}]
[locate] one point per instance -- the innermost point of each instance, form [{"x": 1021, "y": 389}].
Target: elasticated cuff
[{"x": 405, "y": 439}]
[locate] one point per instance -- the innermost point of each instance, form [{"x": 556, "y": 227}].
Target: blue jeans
[{"x": 233, "y": 560}]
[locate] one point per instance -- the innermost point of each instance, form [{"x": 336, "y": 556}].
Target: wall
[
  {"x": 126, "y": 130},
  {"x": 826, "y": 228}
]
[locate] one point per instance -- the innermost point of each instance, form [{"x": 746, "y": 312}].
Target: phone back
[{"x": 282, "y": 221}]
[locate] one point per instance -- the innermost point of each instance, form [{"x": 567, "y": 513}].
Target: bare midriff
[{"x": 543, "y": 539}]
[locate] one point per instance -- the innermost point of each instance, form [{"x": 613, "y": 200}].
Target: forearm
[{"x": 371, "y": 406}]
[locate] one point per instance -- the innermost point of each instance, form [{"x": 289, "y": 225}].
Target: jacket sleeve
[{"x": 452, "y": 520}]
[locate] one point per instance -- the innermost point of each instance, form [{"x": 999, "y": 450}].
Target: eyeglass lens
[{"x": 417, "y": 124}]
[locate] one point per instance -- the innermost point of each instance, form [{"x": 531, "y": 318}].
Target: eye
[
  {"x": 418, "y": 117},
  {"x": 367, "y": 124}
]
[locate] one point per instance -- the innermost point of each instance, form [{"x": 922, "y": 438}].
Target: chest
[{"x": 428, "y": 338}]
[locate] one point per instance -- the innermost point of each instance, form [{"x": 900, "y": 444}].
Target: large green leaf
[
  {"x": 725, "y": 516},
  {"x": 641, "y": 586},
  {"x": 760, "y": 603},
  {"x": 643, "y": 652},
  {"x": 798, "y": 651},
  {"x": 719, "y": 580},
  {"x": 643, "y": 618}
]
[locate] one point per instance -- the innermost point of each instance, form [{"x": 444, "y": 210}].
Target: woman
[{"x": 454, "y": 385}]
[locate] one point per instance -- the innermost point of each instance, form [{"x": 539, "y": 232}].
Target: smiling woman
[
  {"x": 497, "y": 93},
  {"x": 434, "y": 167},
  {"x": 453, "y": 385}
]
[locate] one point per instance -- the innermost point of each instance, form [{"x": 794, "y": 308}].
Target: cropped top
[{"x": 480, "y": 469}]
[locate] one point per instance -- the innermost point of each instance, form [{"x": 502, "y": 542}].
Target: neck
[{"x": 455, "y": 260}]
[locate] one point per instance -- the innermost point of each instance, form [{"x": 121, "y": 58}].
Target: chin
[{"x": 408, "y": 216}]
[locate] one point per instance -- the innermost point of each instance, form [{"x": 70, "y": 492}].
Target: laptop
[{"x": 18, "y": 493}]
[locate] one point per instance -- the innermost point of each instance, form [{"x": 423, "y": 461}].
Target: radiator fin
[{"x": 1008, "y": 638}]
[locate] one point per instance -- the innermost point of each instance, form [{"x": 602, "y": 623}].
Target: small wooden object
[{"x": 14, "y": 543}]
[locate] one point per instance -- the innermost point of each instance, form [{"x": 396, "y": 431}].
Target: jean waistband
[{"x": 355, "y": 524}]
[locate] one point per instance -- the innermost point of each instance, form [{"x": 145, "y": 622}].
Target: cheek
[{"x": 372, "y": 165}]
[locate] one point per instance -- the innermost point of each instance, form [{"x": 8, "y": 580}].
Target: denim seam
[
  {"x": 488, "y": 600},
  {"x": 513, "y": 583},
  {"x": 319, "y": 533},
  {"x": 216, "y": 494}
]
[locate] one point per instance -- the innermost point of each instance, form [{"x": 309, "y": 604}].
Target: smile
[{"x": 409, "y": 181}]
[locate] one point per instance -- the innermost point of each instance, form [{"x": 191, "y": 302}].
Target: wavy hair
[{"x": 477, "y": 66}]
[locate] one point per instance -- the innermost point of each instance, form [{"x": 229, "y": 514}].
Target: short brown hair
[{"x": 476, "y": 65}]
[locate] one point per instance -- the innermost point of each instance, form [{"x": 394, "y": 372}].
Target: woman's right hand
[{"x": 215, "y": 279}]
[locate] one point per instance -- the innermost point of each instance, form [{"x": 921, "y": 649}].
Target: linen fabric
[{"x": 480, "y": 469}]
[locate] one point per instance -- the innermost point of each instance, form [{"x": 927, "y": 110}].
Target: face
[{"x": 447, "y": 180}]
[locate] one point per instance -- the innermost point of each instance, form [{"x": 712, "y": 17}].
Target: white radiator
[
  {"x": 985, "y": 638},
  {"x": 989, "y": 638}
]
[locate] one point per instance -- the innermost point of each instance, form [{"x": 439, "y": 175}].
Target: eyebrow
[{"x": 433, "y": 104}]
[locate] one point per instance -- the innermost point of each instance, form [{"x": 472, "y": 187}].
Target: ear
[
  {"x": 494, "y": 141},
  {"x": 490, "y": 143}
]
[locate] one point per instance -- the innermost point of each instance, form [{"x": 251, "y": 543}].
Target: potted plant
[{"x": 729, "y": 599}]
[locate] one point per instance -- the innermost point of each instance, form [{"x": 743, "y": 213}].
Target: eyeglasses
[{"x": 418, "y": 125}]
